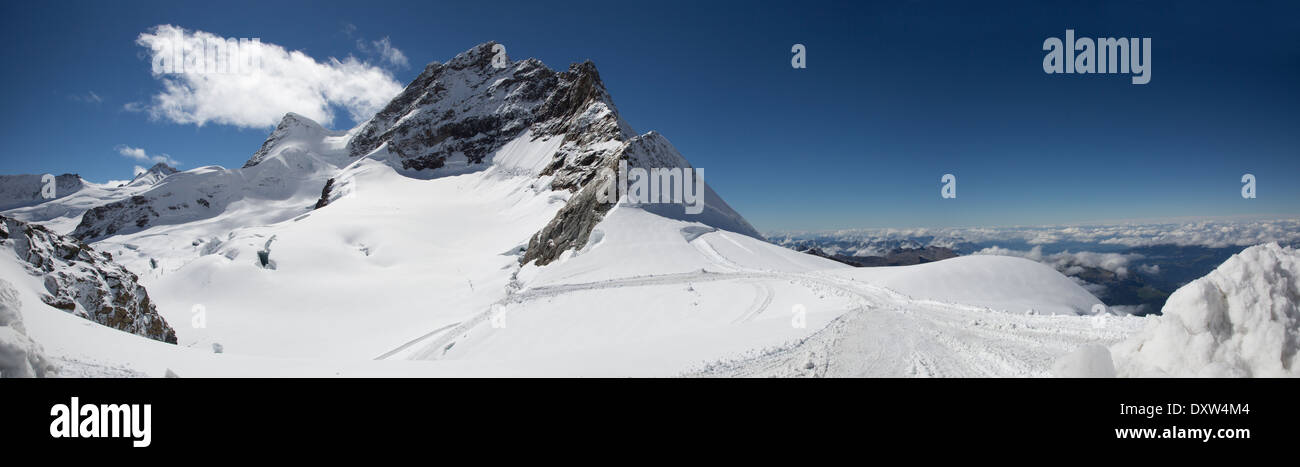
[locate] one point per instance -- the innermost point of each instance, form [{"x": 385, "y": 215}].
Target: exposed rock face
[
  {"x": 17, "y": 191},
  {"x": 325, "y": 195},
  {"x": 109, "y": 219},
  {"x": 84, "y": 282},
  {"x": 572, "y": 226}
]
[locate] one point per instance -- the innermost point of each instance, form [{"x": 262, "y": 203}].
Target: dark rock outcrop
[
  {"x": 133, "y": 213},
  {"x": 324, "y": 195},
  {"x": 85, "y": 282}
]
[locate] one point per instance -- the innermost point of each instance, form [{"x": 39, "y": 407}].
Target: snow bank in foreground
[
  {"x": 1240, "y": 320},
  {"x": 1089, "y": 361},
  {"x": 19, "y": 356}
]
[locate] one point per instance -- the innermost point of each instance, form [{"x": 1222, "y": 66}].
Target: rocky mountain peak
[{"x": 460, "y": 112}]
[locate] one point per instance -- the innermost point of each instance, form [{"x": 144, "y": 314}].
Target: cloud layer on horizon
[{"x": 1210, "y": 233}]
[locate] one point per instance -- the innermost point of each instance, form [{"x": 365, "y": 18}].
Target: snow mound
[
  {"x": 19, "y": 356},
  {"x": 999, "y": 282},
  {"x": 1240, "y": 320},
  {"x": 1089, "y": 361}
]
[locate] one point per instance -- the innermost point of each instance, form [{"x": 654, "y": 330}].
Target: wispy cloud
[
  {"x": 383, "y": 50},
  {"x": 139, "y": 154},
  {"x": 89, "y": 97},
  {"x": 286, "y": 81}
]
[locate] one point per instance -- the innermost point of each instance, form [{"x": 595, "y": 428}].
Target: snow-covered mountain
[
  {"x": 459, "y": 232},
  {"x": 25, "y": 190},
  {"x": 152, "y": 175}
]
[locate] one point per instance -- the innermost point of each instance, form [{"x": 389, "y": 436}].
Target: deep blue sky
[{"x": 895, "y": 95}]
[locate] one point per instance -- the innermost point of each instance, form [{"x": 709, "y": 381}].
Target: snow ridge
[
  {"x": 152, "y": 176},
  {"x": 18, "y": 191}
]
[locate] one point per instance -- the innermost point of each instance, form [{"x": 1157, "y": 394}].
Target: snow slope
[
  {"x": 391, "y": 256},
  {"x": 437, "y": 261},
  {"x": 651, "y": 296}
]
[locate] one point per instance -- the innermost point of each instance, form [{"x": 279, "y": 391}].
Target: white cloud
[
  {"x": 285, "y": 81},
  {"x": 139, "y": 154},
  {"x": 385, "y": 51}
]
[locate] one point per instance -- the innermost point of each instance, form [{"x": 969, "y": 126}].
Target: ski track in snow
[
  {"x": 763, "y": 294},
  {"x": 887, "y": 334}
]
